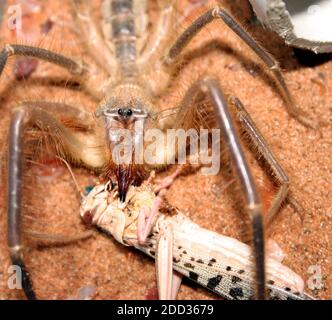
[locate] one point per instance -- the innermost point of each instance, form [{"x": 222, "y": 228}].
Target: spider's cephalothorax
[
  {"x": 136, "y": 58},
  {"x": 125, "y": 116},
  {"x": 127, "y": 110}
]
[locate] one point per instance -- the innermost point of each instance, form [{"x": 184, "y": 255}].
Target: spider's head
[{"x": 125, "y": 123}]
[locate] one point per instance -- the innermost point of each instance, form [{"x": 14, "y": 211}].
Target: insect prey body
[{"x": 219, "y": 263}]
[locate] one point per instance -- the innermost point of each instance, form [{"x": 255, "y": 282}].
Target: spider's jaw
[
  {"x": 124, "y": 132},
  {"x": 128, "y": 175},
  {"x": 124, "y": 178}
]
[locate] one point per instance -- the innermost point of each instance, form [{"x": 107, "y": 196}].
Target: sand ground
[{"x": 118, "y": 272}]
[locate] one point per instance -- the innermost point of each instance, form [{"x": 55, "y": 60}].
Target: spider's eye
[{"x": 125, "y": 112}]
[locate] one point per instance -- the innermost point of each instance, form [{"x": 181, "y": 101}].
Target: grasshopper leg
[
  {"x": 168, "y": 280},
  {"x": 147, "y": 217}
]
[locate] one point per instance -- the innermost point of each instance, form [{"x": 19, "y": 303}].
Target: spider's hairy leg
[
  {"x": 91, "y": 36},
  {"x": 75, "y": 68},
  {"x": 78, "y": 69},
  {"x": 68, "y": 145},
  {"x": 219, "y": 13},
  {"x": 160, "y": 35},
  {"x": 264, "y": 150},
  {"x": 253, "y": 201},
  {"x": 210, "y": 87}
]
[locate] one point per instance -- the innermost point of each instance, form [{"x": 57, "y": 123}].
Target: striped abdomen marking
[{"x": 119, "y": 15}]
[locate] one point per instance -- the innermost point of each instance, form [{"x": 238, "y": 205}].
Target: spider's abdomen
[{"x": 123, "y": 26}]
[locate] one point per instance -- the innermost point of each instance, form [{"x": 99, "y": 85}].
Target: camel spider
[{"x": 137, "y": 65}]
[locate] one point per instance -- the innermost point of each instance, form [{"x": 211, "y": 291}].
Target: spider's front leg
[
  {"x": 67, "y": 144},
  {"x": 220, "y": 14},
  {"x": 78, "y": 69},
  {"x": 9, "y": 50}
]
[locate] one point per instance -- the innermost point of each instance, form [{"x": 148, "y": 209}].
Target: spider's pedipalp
[
  {"x": 189, "y": 109},
  {"x": 189, "y": 112},
  {"x": 66, "y": 144},
  {"x": 241, "y": 168}
]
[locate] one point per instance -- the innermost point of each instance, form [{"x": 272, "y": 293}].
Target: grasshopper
[{"x": 180, "y": 247}]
